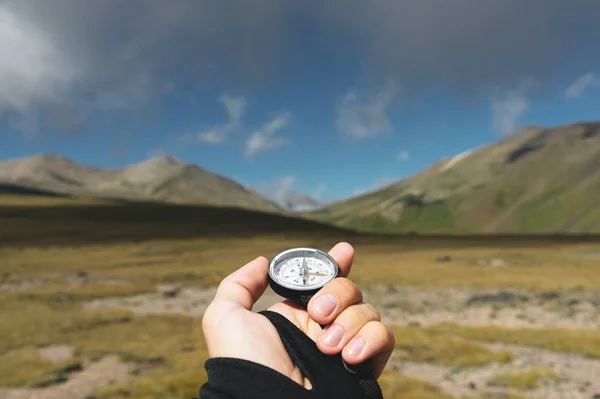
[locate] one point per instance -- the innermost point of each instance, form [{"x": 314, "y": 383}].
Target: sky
[{"x": 331, "y": 99}]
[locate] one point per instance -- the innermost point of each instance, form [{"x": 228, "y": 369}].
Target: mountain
[
  {"x": 538, "y": 180},
  {"x": 162, "y": 179},
  {"x": 283, "y": 193},
  {"x": 297, "y": 202},
  {"x": 291, "y": 201}
]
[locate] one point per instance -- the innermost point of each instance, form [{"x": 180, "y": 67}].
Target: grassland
[{"x": 57, "y": 254}]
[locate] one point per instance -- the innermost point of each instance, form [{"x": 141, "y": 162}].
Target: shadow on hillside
[
  {"x": 11, "y": 189},
  {"x": 81, "y": 224},
  {"x": 91, "y": 224}
]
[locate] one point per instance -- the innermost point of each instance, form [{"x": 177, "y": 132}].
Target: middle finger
[{"x": 333, "y": 299}]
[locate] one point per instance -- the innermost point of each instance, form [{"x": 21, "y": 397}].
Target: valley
[{"x": 105, "y": 300}]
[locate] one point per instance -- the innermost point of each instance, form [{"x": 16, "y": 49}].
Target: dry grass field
[{"x": 101, "y": 300}]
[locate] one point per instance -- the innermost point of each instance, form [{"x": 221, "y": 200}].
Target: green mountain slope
[{"x": 540, "y": 180}]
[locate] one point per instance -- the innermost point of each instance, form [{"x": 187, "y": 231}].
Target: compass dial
[{"x": 302, "y": 269}]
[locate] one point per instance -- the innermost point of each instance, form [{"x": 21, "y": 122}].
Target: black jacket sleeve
[{"x": 230, "y": 378}]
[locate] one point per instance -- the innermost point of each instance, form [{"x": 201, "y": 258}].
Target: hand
[{"x": 231, "y": 329}]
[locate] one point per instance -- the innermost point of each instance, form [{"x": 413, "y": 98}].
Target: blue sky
[{"x": 310, "y": 108}]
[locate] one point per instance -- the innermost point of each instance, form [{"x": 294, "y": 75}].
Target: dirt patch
[
  {"x": 410, "y": 306},
  {"x": 577, "y": 376},
  {"x": 12, "y": 283},
  {"x": 108, "y": 370},
  {"x": 469, "y": 307},
  {"x": 190, "y": 301},
  {"x": 57, "y": 353}
]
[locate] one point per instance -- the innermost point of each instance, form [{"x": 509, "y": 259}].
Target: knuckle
[
  {"x": 358, "y": 316},
  {"x": 348, "y": 289},
  {"x": 379, "y": 332},
  {"x": 372, "y": 311}
]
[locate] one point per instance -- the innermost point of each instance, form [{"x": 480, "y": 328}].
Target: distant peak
[
  {"x": 48, "y": 158},
  {"x": 164, "y": 159}
]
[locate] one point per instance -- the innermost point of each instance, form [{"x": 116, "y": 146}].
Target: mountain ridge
[
  {"x": 503, "y": 187},
  {"x": 162, "y": 178}
]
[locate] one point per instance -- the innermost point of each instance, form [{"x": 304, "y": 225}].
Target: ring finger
[
  {"x": 374, "y": 340},
  {"x": 336, "y": 335}
]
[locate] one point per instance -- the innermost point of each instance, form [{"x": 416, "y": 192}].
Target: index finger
[{"x": 343, "y": 254}]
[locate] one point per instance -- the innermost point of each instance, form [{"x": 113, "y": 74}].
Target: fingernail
[
  {"x": 356, "y": 346},
  {"x": 333, "y": 335},
  {"x": 325, "y": 304}
]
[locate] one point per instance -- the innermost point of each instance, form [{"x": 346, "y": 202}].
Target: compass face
[{"x": 303, "y": 269}]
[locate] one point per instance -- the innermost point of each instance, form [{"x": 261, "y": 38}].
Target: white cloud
[
  {"x": 235, "y": 106},
  {"x": 282, "y": 189},
  {"x": 264, "y": 139},
  {"x": 403, "y": 155},
  {"x": 212, "y": 136},
  {"x": 581, "y": 84},
  {"x": 32, "y": 70},
  {"x": 102, "y": 55},
  {"x": 31, "y": 66},
  {"x": 366, "y": 117},
  {"x": 283, "y": 192},
  {"x": 511, "y": 106},
  {"x": 319, "y": 191}
]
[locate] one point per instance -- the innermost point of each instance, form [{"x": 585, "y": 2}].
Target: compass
[{"x": 299, "y": 273}]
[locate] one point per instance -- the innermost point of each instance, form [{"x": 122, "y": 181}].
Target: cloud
[
  {"x": 512, "y": 105},
  {"x": 283, "y": 192},
  {"x": 319, "y": 191},
  {"x": 213, "y": 136},
  {"x": 279, "y": 190},
  {"x": 364, "y": 117},
  {"x": 403, "y": 155},
  {"x": 264, "y": 139},
  {"x": 235, "y": 107},
  {"x": 31, "y": 66},
  {"x": 71, "y": 56},
  {"x": 581, "y": 84}
]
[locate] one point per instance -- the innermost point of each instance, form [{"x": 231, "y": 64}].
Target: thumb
[{"x": 245, "y": 286}]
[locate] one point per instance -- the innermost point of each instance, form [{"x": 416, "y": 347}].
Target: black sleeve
[{"x": 230, "y": 378}]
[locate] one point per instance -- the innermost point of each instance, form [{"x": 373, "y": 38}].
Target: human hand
[{"x": 354, "y": 328}]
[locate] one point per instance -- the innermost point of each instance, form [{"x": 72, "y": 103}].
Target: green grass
[
  {"x": 552, "y": 210},
  {"x": 434, "y": 218},
  {"x": 500, "y": 200},
  {"x": 25, "y": 366},
  {"x": 181, "y": 378},
  {"x": 581, "y": 342},
  {"x": 431, "y": 346},
  {"x": 31, "y": 323},
  {"x": 526, "y": 380},
  {"x": 398, "y": 386}
]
